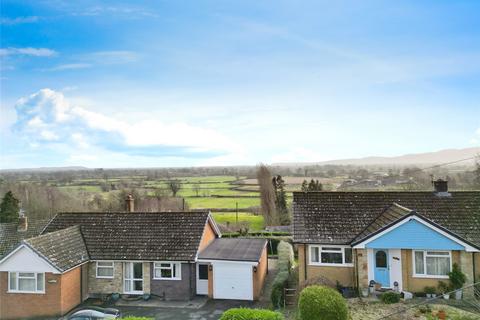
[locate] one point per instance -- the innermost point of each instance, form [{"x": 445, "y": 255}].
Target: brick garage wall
[
  {"x": 71, "y": 290},
  {"x": 259, "y": 276},
  {"x": 27, "y": 305},
  {"x": 183, "y": 289}
]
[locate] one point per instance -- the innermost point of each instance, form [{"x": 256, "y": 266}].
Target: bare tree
[
  {"x": 174, "y": 186},
  {"x": 196, "y": 188},
  {"x": 267, "y": 195}
]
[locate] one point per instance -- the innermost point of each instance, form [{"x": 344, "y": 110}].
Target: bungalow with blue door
[{"x": 400, "y": 240}]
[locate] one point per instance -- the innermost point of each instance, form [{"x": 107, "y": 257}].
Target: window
[
  {"x": 105, "y": 269},
  {"x": 432, "y": 264},
  {"x": 167, "y": 270},
  {"x": 330, "y": 255},
  {"x": 29, "y": 282},
  {"x": 381, "y": 259}
]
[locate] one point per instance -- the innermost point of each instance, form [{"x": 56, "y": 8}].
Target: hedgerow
[
  {"x": 284, "y": 264},
  {"x": 251, "y": 314}
]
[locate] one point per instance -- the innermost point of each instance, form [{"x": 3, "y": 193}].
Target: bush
[
  {"x": 429, "y": 290},
  {"x": 279, "y": 283},
  {"x": 322, "y": 303},
  {"x": 251, "y": 314},
  {"x": 391, "y": 297},
  {"x": 457, "y": 277},
  {"x": 285, "y": 256}
]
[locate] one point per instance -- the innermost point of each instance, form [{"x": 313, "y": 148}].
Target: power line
[{"x": 443, "y": 164}]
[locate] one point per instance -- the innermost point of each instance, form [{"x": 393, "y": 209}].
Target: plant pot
[
  {"x": 115, "y": 296},
  {"x": 371, "y": 289},
  {"x": 458, "y": 295},
  {"x": 446, "y": 296},
  {"x": 442, "y": 315},
  {"x": 146, "y": 296},
  {"x": 434, "y": 295},
  {"x": 429, "y": 295},
  {"x": 365, "y": 292}
]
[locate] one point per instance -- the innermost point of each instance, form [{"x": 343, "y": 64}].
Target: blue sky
[{"x": 181, "y": 83}]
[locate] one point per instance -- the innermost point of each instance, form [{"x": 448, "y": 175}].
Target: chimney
[
  {"x": 22, "y": 223},
  {"x": 130, "y": 203},
  {"x": 440, "y": 188}
]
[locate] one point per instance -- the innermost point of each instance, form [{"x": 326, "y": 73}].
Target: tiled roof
[
  {"x": 234, "y": 249},
  {"x": 10, "y": 237},
  {"x": 339, "y": 217},
  {"x": 64, "y": 248},
  {"x": 137, "y": 236},
  {"x": 389, "y": 216}
]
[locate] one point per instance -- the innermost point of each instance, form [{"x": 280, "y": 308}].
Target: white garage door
[{"x": 232, "y": 281}]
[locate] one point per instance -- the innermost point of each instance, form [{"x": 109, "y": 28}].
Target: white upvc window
[
  {"x": 26, "y": 282},
  {"x": 104, "y": 269},
  {"x": 330, "y": 255},
  {"x": 431, "y": 264},
  {"x": 167, "y": 271}
]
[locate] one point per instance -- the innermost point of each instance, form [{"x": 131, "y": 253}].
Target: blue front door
[{"x": 382, "y": 270}]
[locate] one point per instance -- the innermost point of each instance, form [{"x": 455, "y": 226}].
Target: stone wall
[{"x": 105, "y": 286}]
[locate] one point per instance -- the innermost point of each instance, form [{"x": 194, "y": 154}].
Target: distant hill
[
  {"x": 442, "y": 156},
  {"x": 47, "y": 169}
]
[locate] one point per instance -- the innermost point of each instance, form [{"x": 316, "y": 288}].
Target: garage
[
  {"x": 237, "y": 268},
  {"x": 232, "y": 281}
]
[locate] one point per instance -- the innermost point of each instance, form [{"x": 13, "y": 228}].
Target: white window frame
[
  {"x": 158, "y": 266},
  {"x": 17, "y": 277},
  {"x": 425, "y": 275},
  {"x": 320, "y": 263},
  {"x": 105, "y": 267}
]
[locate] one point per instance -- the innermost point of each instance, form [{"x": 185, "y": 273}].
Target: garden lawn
[{"x": 255, "y": 222}]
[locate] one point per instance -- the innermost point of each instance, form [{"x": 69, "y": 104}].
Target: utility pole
[{"x": 236, "y": 212}]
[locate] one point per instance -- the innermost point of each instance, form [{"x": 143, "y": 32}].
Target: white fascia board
[{"x": 252, "y": 263}]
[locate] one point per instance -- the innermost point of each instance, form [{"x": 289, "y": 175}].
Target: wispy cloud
[
  {"x": 47, "y": 117},
  {"x": 35, "y": 52},
  {"x": 111, "y": 57},
  {"x": 18, "y": 20},
  {"x": 69, "y": 66},
  {"x": 124, "y": 11}
]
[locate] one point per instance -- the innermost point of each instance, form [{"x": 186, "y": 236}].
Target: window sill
[
  {"x": 346, "y": 265},
  {"x": 423, "y": 276},
  {"x": 27, "y": 292},
  {"x": 168, "y": 279},
  {"x": 99, "y": 277}
]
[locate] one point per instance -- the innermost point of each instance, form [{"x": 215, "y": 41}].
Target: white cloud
[
  {"x": 35, "y": 52},
  {"x": 18, "y": 20},
  {"x": 47, "y": 116}
]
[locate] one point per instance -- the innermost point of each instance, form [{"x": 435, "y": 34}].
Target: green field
[
  {"x": 221, "y": 203},
  {"x": 255, "y": 222}
]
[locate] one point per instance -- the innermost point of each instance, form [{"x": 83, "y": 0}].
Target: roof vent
[{"x": 441, "y": 188}]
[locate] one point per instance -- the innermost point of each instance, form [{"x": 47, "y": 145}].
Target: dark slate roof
[
  {"x": 234, "y": 249},
  {"x": 389, "y": 216},
  {"x": 137, "y": 236},
  {"x": 10, "y": 237},
  {"x": 339, "y": 217},
  {"x": 64, "y": 249}
]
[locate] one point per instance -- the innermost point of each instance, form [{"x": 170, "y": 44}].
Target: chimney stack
[
  {"x": 130, "y": 203},
  {"x": 22, "y": 223},
  {"x": 440, "y": 187}
]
